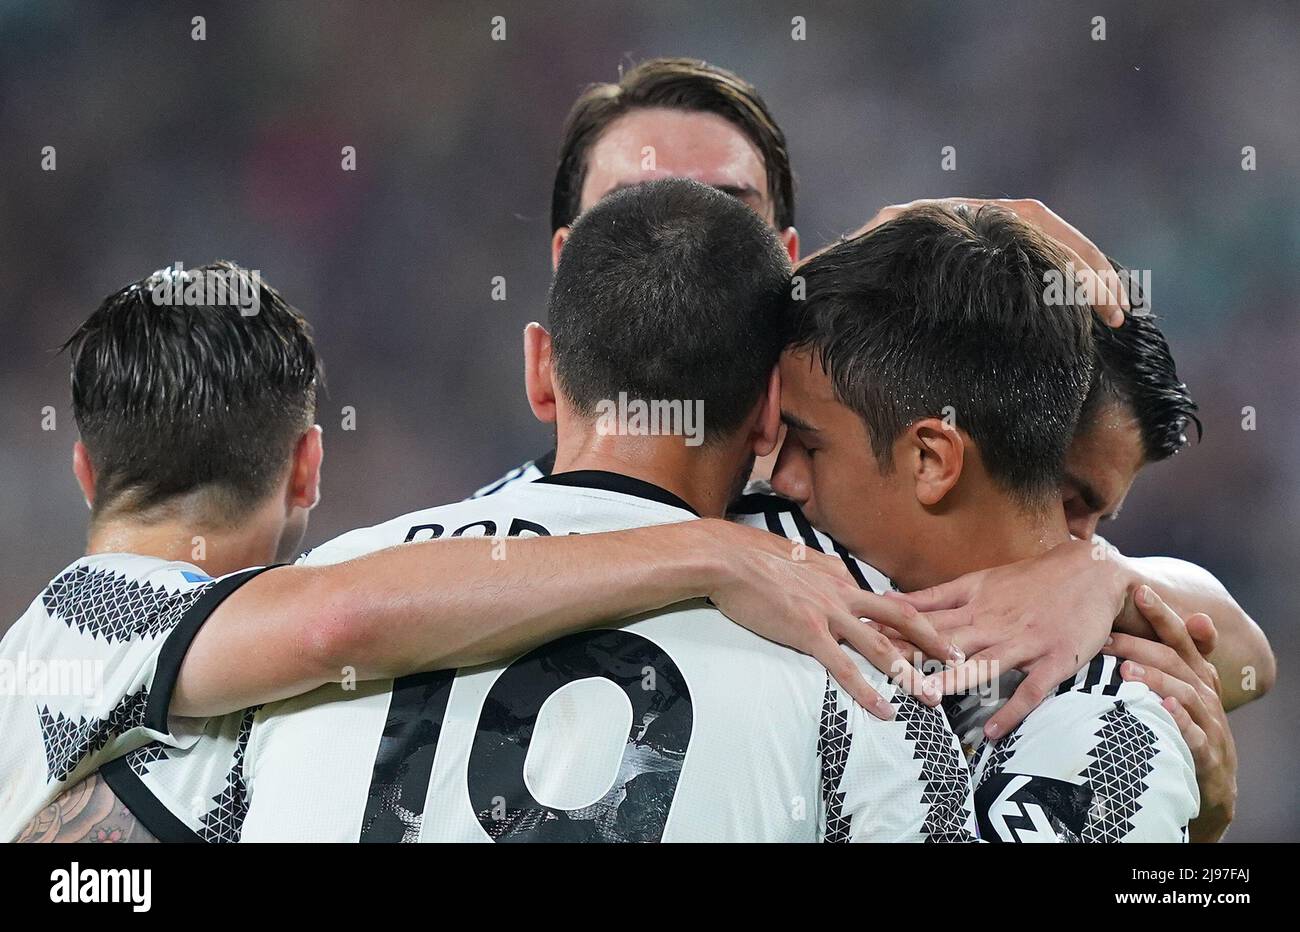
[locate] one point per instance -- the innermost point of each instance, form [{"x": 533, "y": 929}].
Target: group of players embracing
[{"x": 870, "y": 605}]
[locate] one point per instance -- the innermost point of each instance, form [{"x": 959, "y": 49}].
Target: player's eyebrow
[
  {"x": 740, "y": 191},
  {"x": 798, "y": 423}
]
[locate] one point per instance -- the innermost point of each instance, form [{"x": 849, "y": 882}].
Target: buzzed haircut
[
  {"x": 177, "y": 388},
  {"x": 670, "y": 290},
  {"x": 676, "y": 84},
  {"x": 1135, "y": 369},
  {"x": 942, "y": 312}
]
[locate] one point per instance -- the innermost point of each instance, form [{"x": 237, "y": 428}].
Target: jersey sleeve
[
  {"x": 904, "y": 780},
  {"x": 191, "y": 794},
  {"x": 101, "y": 649},
  {"x": 1098, "y": 761}
]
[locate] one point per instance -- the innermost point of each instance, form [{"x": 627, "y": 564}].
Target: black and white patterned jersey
[
  {"x": 1101, "y": 760},
  {"x": 88, "y": 671},
  {"x": 677, "y": 725}
]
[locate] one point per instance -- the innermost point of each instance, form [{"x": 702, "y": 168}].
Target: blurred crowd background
[{"x": 170, "y": 149}]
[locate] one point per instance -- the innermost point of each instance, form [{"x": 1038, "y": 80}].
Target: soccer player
[
  {"x": 675, "y": 726},
  {"x": 929, "y": 418},
  {"x": 199, "y": 458},
  {"x": 704, "y": 122}
]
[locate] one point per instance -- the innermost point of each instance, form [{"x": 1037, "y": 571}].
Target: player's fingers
[
  {"x": 1203, "y": 632},
  {"x": 1111, "y": 297},
  {"x": 885, "y": 655},
  {"x": 1151, "y": 654},
  {"x": 952, "y": 594},
  {"x": 1166, "y": 686},
  {"x": 973, "y": 639},
  {"x": 1088, "y": 263},
  {"x": 883, "y": 610},
  {"x": 911, "y": 624},
  {"x": 828, "y": 565},
  {"x": 977, "y": 670},
  {"x": 845, "y": 672},
  {"x": 948, "y": 620},
  {"x": 908, "y": 649},
  {"x": 1193, "y": 734},
  {"x": 1171, "y": 630},
  {"x": 1028, "y": 696},
  {"x": 1167, "y": 623}
]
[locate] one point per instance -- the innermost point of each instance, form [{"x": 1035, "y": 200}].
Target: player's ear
[
  {"x": 558, "y": 239},
  {"x": 304, "y": 472},
  {"x": 84, "y": 470},
  {"x": 935, "y": 452},
  {"x": 767, "y": 426},
  {"x": 790, "y": 240},
  {"x": 538, "y": 381}
]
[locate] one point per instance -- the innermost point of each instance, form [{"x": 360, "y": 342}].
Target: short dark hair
[
  {"x": 946, "y": 308},
  {"x": 1136, "y": 369},
  {"x": 670, "y": 290},
  {"x": 173, "y": 396},
  {"x": 678, "y": 84}
]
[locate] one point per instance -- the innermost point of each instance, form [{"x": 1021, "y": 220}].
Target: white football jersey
[
  {"x": 86, "y": 674},
  {"x": 1100, "y": 760},
  {"x": 525, "y": 472},
  {"x": 677, "y": 725}
]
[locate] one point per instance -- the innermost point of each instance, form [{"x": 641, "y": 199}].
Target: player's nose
[
  {"x": 1083, "y": 528},
  {"x": 790, "y": 477}
]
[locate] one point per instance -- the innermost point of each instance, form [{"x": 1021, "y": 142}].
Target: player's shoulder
[
  {"x": 1095, "y": 709},
  {"x": 1097, "y": 690},
  {"x": 1100, "y": 759},
  {"x": 92, "y": 590},
  {"x": 138, "y": 568},
  {"x": 762, "y": 508}
]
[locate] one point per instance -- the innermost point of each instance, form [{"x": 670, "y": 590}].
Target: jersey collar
[{"x": 617, "y": 482}]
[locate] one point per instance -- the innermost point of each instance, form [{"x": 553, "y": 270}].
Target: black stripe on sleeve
[
  {"x": 1095, "y": 669},
  {"x": 172, "y": 654},
  {"x": 152, "y": 814},
  {"x": 1115, "y": 682}
]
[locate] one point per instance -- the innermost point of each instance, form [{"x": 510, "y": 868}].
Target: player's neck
[
  {"x": 705, "y": 480},
  {"x": 186, "y": 538},
  {"x": 992, "y": 533}
]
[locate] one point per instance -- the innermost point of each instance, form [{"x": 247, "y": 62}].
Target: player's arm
[
  {"x": 1091, "y": 265},
  {"x": 1241, "y": 654},
  {"x": 87, "y": 812},
  {"x": 1176, "y": 670},
  {"x": 1047, "y": 615},
  {"x": 441, "y": 604}
]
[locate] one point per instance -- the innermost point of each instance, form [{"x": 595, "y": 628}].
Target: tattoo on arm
[{"x": 86, "y": 812}]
